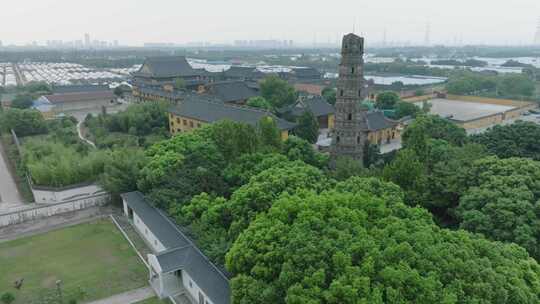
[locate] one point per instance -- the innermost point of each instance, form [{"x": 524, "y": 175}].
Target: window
[
  {"x": 191, "y": 124},
  {"x": 349, "y": 117},
  {"x": 341, "y": 93},
  {"x": 337, "y": 139},
  {"x": 352, "y": 70},
  {"x": 185, "y": 122},
  {"x": 177, "y": 120},
  {"x": 358, "y": 139},
  {"x": 359, "y": 93}
]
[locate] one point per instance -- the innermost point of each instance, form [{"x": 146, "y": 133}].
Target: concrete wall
[
  {"x": 192, "y": 288},
  {"x": 36, "y": 212},
  {"x": 46, "y": 195},
  {"x": 83, "y": 105}
]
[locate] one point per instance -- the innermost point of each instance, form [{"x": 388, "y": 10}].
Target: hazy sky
[{"x": 134, "y": 22}]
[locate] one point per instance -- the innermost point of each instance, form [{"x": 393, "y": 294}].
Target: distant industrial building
[{"x": 476, "y": 114}]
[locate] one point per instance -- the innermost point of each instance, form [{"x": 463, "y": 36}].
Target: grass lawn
[{"x": 93, "y": 258}]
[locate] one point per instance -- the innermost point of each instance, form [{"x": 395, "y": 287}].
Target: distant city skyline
[{"x": 135, "y": 22}]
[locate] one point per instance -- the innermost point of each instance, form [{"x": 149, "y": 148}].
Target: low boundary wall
[{"x": 36, "y": 212}]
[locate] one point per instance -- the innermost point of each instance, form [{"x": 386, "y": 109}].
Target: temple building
[
  {"x": 195, "y": 111},
  {"x": 158, "y": 74}
]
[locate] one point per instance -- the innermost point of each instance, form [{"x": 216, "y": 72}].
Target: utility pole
[{"x": 537, "y": 35}]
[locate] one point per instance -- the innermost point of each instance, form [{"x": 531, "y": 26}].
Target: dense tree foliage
[
  {"x": 503, "y": 201},
  {"x": 330, "y": 95},
  {"x": 180, "y": 168},
  {"x": 216, "y": 221},
  {"x": 140, "y": 125},
  {"x": 57, "y": 165},
  {"x": 22, "y": 101},
  {"x": 361, "y": 244},
  {"x": 406, "y": 109},
  {"x": 277, "y": 92},
  {"x": 122, "y": 171},
  {"x": 308, "y": 127},
  {"x": 296, "y": 148},
  {"x": 387, "y": 100},
  {"x": 520, "y": 139},
  {"x": 435, "y": 127},
  {"x": 510, "y": 86},
  {"x": 259, "y": 102},
  {"x": 24, "y": 122}
]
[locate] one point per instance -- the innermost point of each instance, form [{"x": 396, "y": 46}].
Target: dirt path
[
  {"x": 9, "y": 194},
  {"x": 129, "y": 297},
  {"x": 79, "y": 130}
]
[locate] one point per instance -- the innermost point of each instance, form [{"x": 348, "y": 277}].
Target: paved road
[
  {"x": 9, "y": 194},
  {"x": 129, "y": 297}
]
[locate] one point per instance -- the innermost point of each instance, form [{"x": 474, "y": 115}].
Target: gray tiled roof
[
  {"x": 316, "y": 104},
  {"x": 167, "y": 234},
  {"x": 200, "y": 109},
  {"x": 79, "y": 88},
  {"x": 166, "y": 66},
  {"x": 377, "y": 121},
  {"x": 230, "y": 91},
  {"x": 243, "y": 72},
  {"x": 306, "y": 73},
  {"x": 183, "y": 254},
  {"x": 80, "y": 97}
]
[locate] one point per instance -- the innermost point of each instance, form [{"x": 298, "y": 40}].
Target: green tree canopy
[
  {"x": 22, "y": 101},
  {"x": 330, "y": 95},
  {"x": 278, "y": 92},
  {"x": 308, "y": 127},
  {"x": 435, "y": 127},
  {"x": 24, "y": 122},
  {"x": 259, "y": 102},
  {"x": 503, "y": 201},
  {"x": 360, "y": 244},
  {"x": 387, "y": 100},
  {"x": 217, "y": 222},
  {"x": 122, "y": 171},
  {"x": 520, "y": 139}
]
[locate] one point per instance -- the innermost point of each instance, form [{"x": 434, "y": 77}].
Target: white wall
[
  {"x": 194, "y": 289},
  {"x": 35, "y": 212},
  {"x": 45, "y": 196},
  {"x": 147, "y": 234}
]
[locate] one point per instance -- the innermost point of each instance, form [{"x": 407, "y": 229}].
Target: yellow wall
[
  {"x": 331, "y": 121},
  {"x": 383, "y": 136},
  {"x": 178, "y": 124},
  {"x": 284, "y": 135}
]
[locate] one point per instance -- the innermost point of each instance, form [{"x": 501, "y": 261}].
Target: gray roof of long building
[
  {"x": 230, "y": 91},
  {"x": 79, "y": 88},
  {"x": 377, "y": 121},
  {"x": 183, "y": 254},
  {"x": 167, "y": 234},
  {"x": 166, "y": 66},
  {"x": 201, "y": 109},
  {"x": 316, "y": 104},
  {"x": 244, "y": 72}
]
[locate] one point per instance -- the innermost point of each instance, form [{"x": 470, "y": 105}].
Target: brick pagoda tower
[{"x": 350, "y": 132}]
